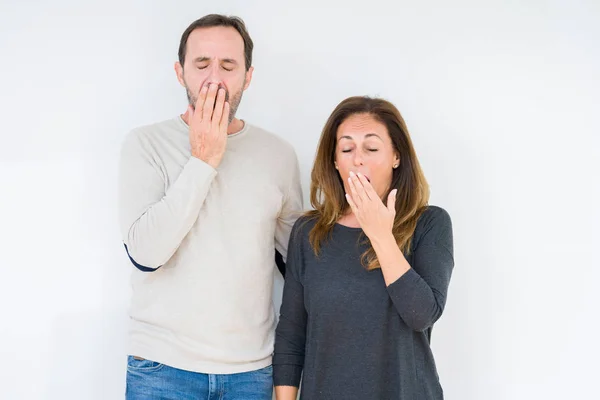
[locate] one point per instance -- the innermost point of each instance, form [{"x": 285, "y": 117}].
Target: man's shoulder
[
  {"x": 152, "y": 134},
  {"x": 270, "y": 139},
  {"x": 158, "y": 128}
]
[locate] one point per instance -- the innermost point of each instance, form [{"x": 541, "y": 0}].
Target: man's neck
[{"x": 234, "y": 127}]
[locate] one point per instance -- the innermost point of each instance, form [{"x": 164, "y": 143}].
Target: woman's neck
[{"x": 349, "y": 220}]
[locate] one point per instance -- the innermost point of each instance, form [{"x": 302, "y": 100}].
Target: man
[{"x": 205, "y": 199}]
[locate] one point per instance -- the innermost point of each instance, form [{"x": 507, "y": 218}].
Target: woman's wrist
[{"x": 386, "y": 240}]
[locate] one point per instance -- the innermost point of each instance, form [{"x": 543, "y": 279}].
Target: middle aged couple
[{"x": 210, "y": 204}]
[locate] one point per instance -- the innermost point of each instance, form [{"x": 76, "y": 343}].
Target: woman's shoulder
[
  {"x": 434, "y": 215},
  {"x": 435, "y": 223},
  {"x": 305, "y": 223}
]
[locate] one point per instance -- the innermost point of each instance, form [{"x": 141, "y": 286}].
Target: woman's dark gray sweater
[{"x": 348, "y": 335}]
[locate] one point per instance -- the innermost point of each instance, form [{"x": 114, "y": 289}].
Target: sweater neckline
[{"x": 242, "y": 132}]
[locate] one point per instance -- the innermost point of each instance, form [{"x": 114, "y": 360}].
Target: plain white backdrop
[{"x": 501, "y": 98}]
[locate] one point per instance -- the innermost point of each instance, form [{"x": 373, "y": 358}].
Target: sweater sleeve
[
  {"x": 420, "y": 294},
  {"x": 291, "y": 208},
  {"x": 153, "y": 219},
  {"x": 290, "y": 335}
]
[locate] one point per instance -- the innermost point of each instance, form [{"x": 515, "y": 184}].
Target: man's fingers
[
  {"x": 209, "y": 104},
  {"x": 200, "y": 100},
  {"x": 224, "y": 123},
  {"x": 216, "y": 116}
]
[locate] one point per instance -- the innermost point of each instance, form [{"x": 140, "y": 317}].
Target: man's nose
[{"x": 214, "y": 76}]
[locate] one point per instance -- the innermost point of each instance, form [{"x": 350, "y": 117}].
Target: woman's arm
[
  {"x": 290, "y": 335},
  {"x": 392, "y": 261},
  {"x": 418, "y": 291},
  {"x": 286, "y": 392}
]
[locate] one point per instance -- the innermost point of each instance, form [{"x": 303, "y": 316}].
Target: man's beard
[{"x": 234, "y": 101}]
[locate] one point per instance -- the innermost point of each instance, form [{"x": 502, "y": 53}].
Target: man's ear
[
  {"x": 248, "y": 77},
  {"x": 179, "y": 72}
]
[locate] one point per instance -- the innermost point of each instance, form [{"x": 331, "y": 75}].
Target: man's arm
[
  {"x": 280, "y": 263},
  {"x": 291, "y": 210},
  {"x": 154, "y": 221}
]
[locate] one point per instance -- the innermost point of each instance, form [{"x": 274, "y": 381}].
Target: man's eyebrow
[{"x": 225, "y": 60}]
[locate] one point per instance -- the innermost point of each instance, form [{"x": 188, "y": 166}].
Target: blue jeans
[{"x": 151, "y": 380}]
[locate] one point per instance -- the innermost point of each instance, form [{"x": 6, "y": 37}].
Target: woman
[{"x": 367, "y": 270}]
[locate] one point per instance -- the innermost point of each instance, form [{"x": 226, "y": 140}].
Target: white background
[{"x": 499, "y": 96}]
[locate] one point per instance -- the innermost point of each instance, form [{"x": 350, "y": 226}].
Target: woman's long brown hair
[{"x": 327, "y": 195}]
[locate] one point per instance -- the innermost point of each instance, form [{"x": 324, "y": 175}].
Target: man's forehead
[{"x": 215, "y": 42}]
